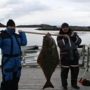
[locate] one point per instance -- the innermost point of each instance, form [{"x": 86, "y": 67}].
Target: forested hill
[
  {"x": 2, "y": 25},
  {"x": 51, "y": 27}
]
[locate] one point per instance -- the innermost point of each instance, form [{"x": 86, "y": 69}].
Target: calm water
[{"x": 34, "y": 39}]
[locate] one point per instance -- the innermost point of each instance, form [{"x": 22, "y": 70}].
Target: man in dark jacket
[
  {"x": 10, "y": 44},
  {"x": 69, "y": 55}
]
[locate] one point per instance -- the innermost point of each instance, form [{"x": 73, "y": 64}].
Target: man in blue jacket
[{"x": 10, "y": 44}]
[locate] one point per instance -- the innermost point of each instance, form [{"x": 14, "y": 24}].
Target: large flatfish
[{"x": 48, "y": 59}]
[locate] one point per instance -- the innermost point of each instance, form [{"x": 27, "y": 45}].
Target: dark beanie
[
  {"x": 64, "y": 25},
  {"x": 10, "y": 22}
]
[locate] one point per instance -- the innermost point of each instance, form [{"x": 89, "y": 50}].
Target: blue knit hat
[{"x": 64, "y": 25}]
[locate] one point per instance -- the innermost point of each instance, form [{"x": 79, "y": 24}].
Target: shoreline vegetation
[{"x": 50, "y": 27}]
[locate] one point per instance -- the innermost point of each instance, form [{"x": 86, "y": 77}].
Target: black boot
[
  {"x": 65, "y": 88},
  {"x": 76, "y": 87}
]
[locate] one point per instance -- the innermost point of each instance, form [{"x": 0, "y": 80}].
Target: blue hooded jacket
[{"x": 10, "y": 42}]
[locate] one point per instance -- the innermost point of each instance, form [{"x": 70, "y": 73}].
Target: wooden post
[
  {"x": 83, "y": 55},
  {"x": 28, "y": 32},
  {"x": 88, "y": 58}
]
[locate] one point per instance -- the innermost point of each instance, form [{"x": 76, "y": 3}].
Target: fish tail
[{"x": 48, "y": 84}]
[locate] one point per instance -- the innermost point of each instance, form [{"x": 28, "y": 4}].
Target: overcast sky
[{"x": 53, "y": 12}]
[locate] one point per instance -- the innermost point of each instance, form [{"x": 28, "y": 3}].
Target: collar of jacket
[{"x": 9, "y": 31}]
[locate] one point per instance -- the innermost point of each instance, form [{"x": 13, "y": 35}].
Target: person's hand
[
  {"x": 48, "y": 34},
  {"x": 66, "y": 36},
  {"x": 73, "y": 34},
  {"x": 19, "y": 31}
]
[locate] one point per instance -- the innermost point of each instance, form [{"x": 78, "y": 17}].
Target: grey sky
[{"x": 54, "y": 12}]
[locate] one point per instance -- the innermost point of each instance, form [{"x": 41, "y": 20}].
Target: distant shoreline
[
  {"x": 75, "y": 28},
  {"x": 46, "y": 27},
  {"x": 41, "y": 29}
]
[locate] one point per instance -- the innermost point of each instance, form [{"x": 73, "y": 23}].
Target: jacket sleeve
[
  {"x": 76, "y": 39},
  {"x": 0, "y": 41},
  {"x": 60, "y": 42},
  {"x": 23, "y": 38}
]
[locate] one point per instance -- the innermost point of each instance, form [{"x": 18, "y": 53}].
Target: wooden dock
[{"x": 33, "y": 79}]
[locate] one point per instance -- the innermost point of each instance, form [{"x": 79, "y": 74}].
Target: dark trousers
[
  {"x": 11, "y": 72},
  {"x": 10, "y": 85},
  {"x": 74, "y": 75}
]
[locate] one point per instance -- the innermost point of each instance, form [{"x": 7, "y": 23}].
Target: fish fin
[{"x": 48, "y": 84}]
